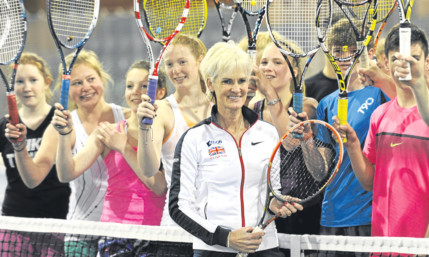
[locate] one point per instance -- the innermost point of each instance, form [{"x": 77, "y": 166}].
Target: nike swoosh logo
[
  {"x": 255, "y": 143},
  {"x": 393, "y": 144}
]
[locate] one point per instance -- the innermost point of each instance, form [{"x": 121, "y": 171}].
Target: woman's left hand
[
  {"x": 285, "y": 209},
  {"x": 111, "y": 137}
]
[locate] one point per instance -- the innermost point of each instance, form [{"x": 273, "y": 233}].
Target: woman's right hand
[
  {"x": 244, "y": 240},
  {"x": 146, "y": 109},
  {"x": 62, "y": 120},
  {"x": 15, "y": 133}
]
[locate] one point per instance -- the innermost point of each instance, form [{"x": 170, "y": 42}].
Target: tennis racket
[
  {"x": 13, "y": 29},
  {"x": 300, "y": 169},
  {"x": 165, "y": 18},
  {"x": 249, "y": 8},
  {"x": 195, "y": 21},
  {"x": 223, "y": 7},
  {"x": 350, "y": 36},
  {"x": 405, "y": 8},
  {"x": 356, "y": 11},
  {"x": 384, "y": 9},
  {"x": 296, "y": 37},
  {"x": 71, "y": 24}
]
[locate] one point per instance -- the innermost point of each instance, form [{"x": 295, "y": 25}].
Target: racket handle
[
  {"x": 151, "y": 92},
  {"x": 13, "y": 109},
  {"x": 65, "y": 86},
  {"x": 13, "y": 112},
  {"x": 342, "y": 112},
  {"x": 405, "y": 45},
  {"x": 297, "y": 107}
]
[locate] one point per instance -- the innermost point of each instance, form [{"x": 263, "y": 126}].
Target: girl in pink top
[{"x": 131, "y": 197}]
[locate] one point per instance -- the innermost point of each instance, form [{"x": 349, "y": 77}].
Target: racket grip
[
  {"x": 151, "y": 92},
  {"x": 405, "y": 45},
  {"x": 297, "y": 107},
  {"x": 65, "y": 86},
  {"x": 342, "y": 112},
  {"x": 13, "y": 109}
]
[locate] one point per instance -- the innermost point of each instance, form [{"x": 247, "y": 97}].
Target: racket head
[
  {"x": 13, "y": 30},
  {"x": 300, "y": 169},
  {"x": 165, "y": 18},
  {"x": 72, "y": 22},
  {"x": 197, "y": 18},
  {"x": 251, "y": 7},
  {"x": 293, "y": 21},
  {"x": 384, "y": 8},
  {"x": 230, "y": 7},
  {"x": 352, "y": 30}
]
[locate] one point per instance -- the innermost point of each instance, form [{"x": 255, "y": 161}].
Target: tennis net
[{"x": 52, "y": 237}]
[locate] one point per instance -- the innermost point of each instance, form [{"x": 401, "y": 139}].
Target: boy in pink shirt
[{"x": 394, "y": 162}]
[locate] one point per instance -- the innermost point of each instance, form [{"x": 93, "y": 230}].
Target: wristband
[
  {"x": 227, "y": 240},
  {"x": 16, "y": 146},
  {"x": 274, "y": 101},
  {"x": 66, "y": 133}
]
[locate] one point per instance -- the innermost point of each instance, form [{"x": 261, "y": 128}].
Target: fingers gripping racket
[
  {"x": 346, "y": 41},
  {"x": 223, "y": 7},
  {"x": 249, "y": 8},
  {"x": 300, "y": 169},
  {"x": 13, "y": 29},
  {"x": 71, "y": 24},
  {"x": 165, "y": 19},
  {"x": 296, "y": 37},
  {"x": 405, "y": 7}
]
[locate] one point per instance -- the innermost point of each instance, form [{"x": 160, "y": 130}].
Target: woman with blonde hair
[
  {"x": 88, "y": 108},
  {"x": 50, "y": 198},
  {"x": 218, "y": 186}
]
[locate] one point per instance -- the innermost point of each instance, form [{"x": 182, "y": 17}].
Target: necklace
[{"x": 237, "y": 133}]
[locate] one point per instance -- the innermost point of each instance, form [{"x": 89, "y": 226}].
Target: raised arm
[
  {"x": 33, "y": 171},
  {"x": 151, "y": 137},
  {"x": 69, "y": 167},
  {"x": 361, "y": 165}
]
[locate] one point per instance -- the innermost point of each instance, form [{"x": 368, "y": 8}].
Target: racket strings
[
  {"x": 252, "y": 6},
  {"x": 197, "y": 17},
  {"x": 384, "y": 8},
  {"x": 163, "y": 16},
  {"x": 305, "y": 166},
  {"x": 342, "y": 38},
  {"x": 12, "y": 28},
  {"x": 72, "y": 20},
  {"x": 294, "y": 22}
]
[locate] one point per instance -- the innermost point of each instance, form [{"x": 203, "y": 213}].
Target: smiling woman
[
  {"x": 127, "y": 190},
  {"x": 219, "y": 166},
  {"x": 88, "y": 79}
]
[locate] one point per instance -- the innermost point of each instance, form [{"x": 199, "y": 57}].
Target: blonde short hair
[{"x": 223, "y": 57}]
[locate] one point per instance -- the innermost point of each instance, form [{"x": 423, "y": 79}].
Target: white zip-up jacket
[{"x": 218, "y": 186}]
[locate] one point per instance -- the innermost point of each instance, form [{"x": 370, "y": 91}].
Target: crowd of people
[{"x": 197, "y": 167}]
